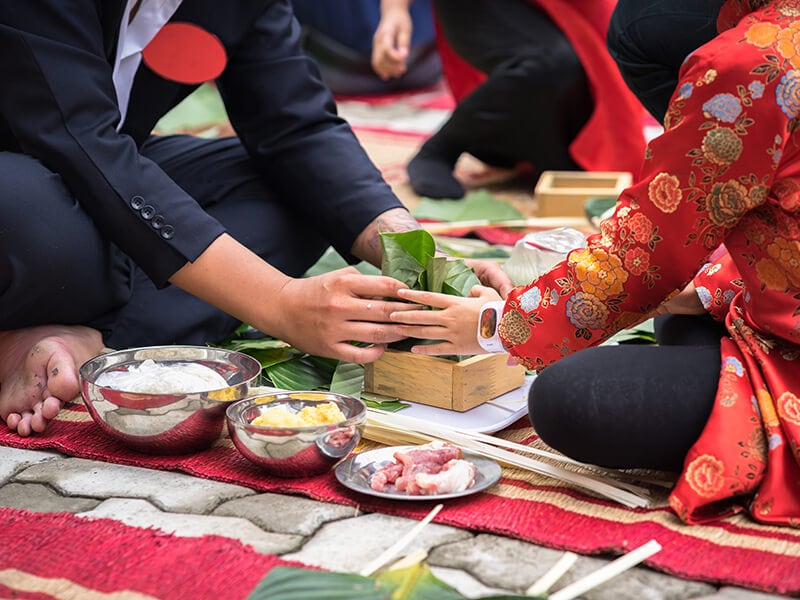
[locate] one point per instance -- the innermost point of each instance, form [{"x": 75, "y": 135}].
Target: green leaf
[
  {"x": 386, "y": 403},
  {"x": 348, "y": 378},
  {"x": 303, "y": 373},
  {"x": 479, "y": 205},
  {"x": 417, "y": 583},
  {"x": 459, "y": 279},
  {"x": 436, "y": 271},
  {"x": 288, "y": 583},
  {"x": 332, "y": 260},
  {"x": 405, "y": 255}
]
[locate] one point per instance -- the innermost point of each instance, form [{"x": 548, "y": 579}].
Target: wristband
[{"x": 488, "y": 321}]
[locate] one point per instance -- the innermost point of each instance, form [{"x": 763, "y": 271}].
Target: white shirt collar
[{"x": 133, "y": 37}]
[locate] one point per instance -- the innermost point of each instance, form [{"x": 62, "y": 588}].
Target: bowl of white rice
[{"x": 166, "y": 399}]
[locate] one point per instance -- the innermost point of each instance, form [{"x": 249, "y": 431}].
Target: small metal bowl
[
  {"x": 296, "y": 451},
  {"x": 166, "y": 423}
]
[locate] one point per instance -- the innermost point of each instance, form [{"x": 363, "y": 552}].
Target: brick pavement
[{"x": 306, "y": 530}]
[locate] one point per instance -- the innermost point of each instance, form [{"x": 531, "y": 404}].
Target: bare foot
[{"x": 39, "y": 371}]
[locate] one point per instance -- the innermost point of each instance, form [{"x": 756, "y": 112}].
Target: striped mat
[
  {"x": 523, "y": 505},
  {"x": 61, "y": 556}
]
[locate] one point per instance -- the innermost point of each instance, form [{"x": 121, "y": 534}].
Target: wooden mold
[
  {"x": 435, "y": 381},
  {"x": 563, "y": 193}
]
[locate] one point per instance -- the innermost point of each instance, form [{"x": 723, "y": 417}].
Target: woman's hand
[{"x": 454, "y": 325}]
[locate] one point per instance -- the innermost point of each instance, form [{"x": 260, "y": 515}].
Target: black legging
[{"x": 632, "y": 406}]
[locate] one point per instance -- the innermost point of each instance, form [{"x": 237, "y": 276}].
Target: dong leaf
[
  {"x": 410, "y": 257},
  {"x": 412, "y": 583},
  {"x": 406, "y": 254},
  {"x": 459, "y": 279}
]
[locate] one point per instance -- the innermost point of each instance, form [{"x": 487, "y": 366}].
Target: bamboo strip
[
  {"x": 543, "y": 222},
  {"x": 612, "y": 569},
  {"x": 554, "y": 573},
  {"x": 395, "y": 549},
  {"x": 621, "y": 492}
]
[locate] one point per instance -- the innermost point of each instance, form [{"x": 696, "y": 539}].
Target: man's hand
[
  {"x": 492, "y": 275},
  {"x": 322, "y": 315},
  {"x": 392, "y": 39}
]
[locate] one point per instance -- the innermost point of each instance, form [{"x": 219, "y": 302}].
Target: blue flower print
[
  {"x": 705, "y": 297},
  {"x": 554, "y": 297},
  {"x": 725, "y": 107},
  {"x": 756, "y": 89},
  {"x": 531, "y": 299},
  {"x": 788, "y": 93},
  {"x": 774, "y": 441},
  {"x": 685, "y": 91},
  {"x": 733, "y": 365},
  {"x": 728, "y": 296}
]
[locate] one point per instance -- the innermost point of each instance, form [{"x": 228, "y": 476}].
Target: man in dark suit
[{"x": 114, "y": 237}]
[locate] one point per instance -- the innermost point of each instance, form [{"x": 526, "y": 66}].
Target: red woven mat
[
  {"x": 522, "y": 505},
  {"x": 58, "y": 555}
]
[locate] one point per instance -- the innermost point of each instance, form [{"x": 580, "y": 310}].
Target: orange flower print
[
  {"x": 721, "y": 146},
  {"x": 789, "y": 408},
  {"x": 789, "y": 43},
  {"x": 727, "y": 202},
  {"x": 787, "y": 191},
  {"x": 762, "y": 34},
  {"x": 637, "y": 261},
  {"x": 766, "y": 408},
  {"x": 641, "y": 228},
  {"x": 664, "y": 192},
  {"x": 787, "y": 254},
  {"x": 771, "y": 275},
  {"x": 598, "y": 272},
  {"x": 705, "y": 475},
  {"x": 514, "y": 329}
]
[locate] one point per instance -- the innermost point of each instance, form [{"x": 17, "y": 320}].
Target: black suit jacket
[{"x": 58, "y": 104}]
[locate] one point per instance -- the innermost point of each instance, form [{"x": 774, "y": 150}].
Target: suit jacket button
[
  {"x": 168, "y": 232},
  {"x": 157, "y": 222},
  {"x": 137, "y": 202},
  {"x": 147, "y": 212}
]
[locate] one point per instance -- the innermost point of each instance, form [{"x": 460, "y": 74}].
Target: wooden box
[
  {"x": 563, "y": 193},
  {"x": 435, "y": 381}
]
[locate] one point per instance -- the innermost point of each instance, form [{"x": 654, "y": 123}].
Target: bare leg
[{"x": 39, "y": 371}]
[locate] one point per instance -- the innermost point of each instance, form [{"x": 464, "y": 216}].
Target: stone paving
[{"x": 312, "y": 532}]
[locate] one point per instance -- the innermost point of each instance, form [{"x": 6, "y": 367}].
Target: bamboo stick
[
  {"x": 395, "y": 549},
  {"x": 621, "y": 492},
  {"x": 612, "y": 569},
  {"x": 554, "y": 573}
]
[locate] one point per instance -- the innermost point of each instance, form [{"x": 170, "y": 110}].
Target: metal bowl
[
  {"x": 296, "y": 451},
  {"x": 178, "y": 423}
]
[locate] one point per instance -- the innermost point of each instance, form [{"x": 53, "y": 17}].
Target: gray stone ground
[{"x": 309, "y": 531}]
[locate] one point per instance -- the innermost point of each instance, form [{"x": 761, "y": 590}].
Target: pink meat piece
[
  {"x": 426, "y": 459},
  {"x": 385, "y": 476},
  {"x": 455, "y": 476}
]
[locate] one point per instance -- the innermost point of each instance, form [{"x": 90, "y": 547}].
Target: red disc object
[{"x": 185, "y": 53}]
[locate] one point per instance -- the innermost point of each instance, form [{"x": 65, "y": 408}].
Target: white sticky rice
[{"x": 151, "y": 377}]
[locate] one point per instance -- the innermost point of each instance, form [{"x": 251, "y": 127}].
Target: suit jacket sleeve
[
  {"x": 59, "y": 102},
  {"x": 287, "y": 120}
]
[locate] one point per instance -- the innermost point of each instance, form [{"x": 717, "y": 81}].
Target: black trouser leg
[
  {"x": 55, "y": 267},
  {"x": 534, "y": 102},
  {"x": 649, "y": 40}
]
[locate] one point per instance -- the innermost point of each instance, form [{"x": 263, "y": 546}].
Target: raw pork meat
[{"x": 433, "y": 468}]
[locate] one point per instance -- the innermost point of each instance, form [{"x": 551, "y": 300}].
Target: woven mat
[
  {"x": 58, "y": 555},
  {"x": 522, "y": 505}
]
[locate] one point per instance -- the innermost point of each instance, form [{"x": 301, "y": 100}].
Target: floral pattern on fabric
[{"x": 716, "y": 202}]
